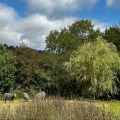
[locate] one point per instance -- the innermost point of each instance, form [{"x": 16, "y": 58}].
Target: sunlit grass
[
  {"x": 113, "y": 106},
  {"x": 12, "y": 105}
]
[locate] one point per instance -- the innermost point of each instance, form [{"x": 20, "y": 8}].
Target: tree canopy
[
  {"x": 77, "y": 62},
  {"x": 68, "y": 39},
  {"x": 112, "y": 34},
  {"x": 95, "y": 63}
]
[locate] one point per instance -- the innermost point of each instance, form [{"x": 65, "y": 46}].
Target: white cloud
[
  {"x": 114, "y": 3},
  {"x": 36, "y": 27},
  {"x": 109, "y": 2},
  {"x": 32, "y": 29},
  {"x": 7, "y": 15},
  {"x": 8, "y": 34},
  {"x": 58, "y": 8},
  {"x": 101, "y": 25}
]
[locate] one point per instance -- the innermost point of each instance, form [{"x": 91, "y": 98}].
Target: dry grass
[{"x": 54, "y": 110}]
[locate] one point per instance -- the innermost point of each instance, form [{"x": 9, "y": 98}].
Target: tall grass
[{"x": 56, "y": 110}]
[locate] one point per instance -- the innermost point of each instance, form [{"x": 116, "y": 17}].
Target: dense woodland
[{"x": 78, "y": 62}]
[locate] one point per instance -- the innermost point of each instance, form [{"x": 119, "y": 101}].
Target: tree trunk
[{"x": 94, "y": 96}]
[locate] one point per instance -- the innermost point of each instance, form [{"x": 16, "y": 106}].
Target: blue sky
[{"x": 30, "y": 21}]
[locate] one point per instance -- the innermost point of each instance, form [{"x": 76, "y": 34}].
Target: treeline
[{"x": 78, "y": 61}]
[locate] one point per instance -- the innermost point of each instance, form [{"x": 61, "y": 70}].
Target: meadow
[{"x": 60, "y": 109}]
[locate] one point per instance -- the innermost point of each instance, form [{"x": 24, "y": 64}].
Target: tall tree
[
  {"x": 94, "y": 65},
  {"x": 84, "y": 31},
  {"x": 112, "y": 35},
  {"x": 68, "y": 39},
  {"x": 52, "y": 41}
]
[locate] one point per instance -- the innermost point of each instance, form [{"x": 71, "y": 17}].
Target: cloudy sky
[{"x": 30, "y": 21}]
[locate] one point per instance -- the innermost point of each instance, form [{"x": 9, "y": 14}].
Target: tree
[
  {"x": 28, "y": 70},
  {"x": 52, "y": 41},
  {"x": 94, "y": 65},
  {"x": 7, "y": 69},
  {"x": 59, "y": 42},
  {"x": 112, "y": 35},
  {"x": 68, "y": 39},
  {"x": 84, "y": 31}
]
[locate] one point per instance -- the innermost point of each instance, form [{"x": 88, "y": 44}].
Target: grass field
[
  {"x": 12, "y": 105},
  {"x": 110, "y": 106},
  {"x": 113, "y": 106}
]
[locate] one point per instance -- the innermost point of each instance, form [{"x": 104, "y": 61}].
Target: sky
[{"x": 30, "y": 21}]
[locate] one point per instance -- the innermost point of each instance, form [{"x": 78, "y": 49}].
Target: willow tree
[{"x": 95, "y": 64}]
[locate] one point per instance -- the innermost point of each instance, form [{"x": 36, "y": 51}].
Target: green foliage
[
  {"x": 7, "y": 69},
  {"x": 112, "y": 35},
  {"x": 62, "y": 41},
  {"x": 83, "y": 31},
  {"x": 68, "y": 39},
  {"x": 52, "y": 41},
  {"x": 55, "y": 79},
  {"x": 94, "y": 65},
  {"x": 28, "y": 71}
]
